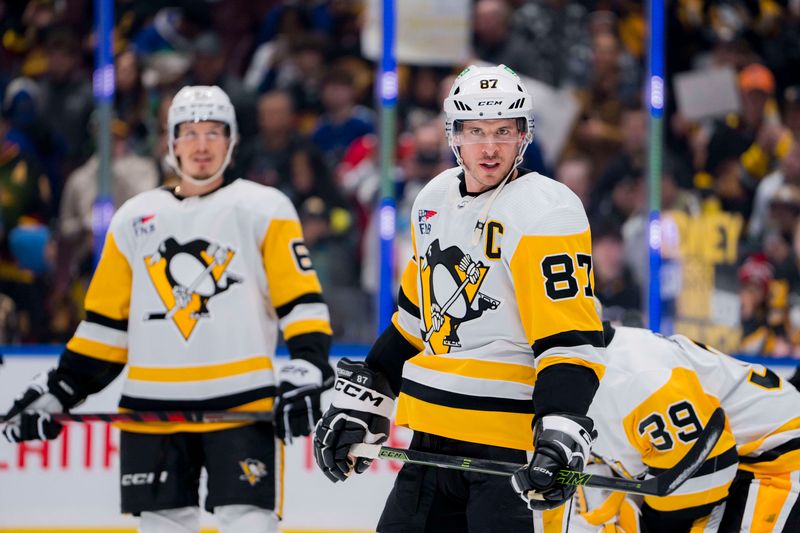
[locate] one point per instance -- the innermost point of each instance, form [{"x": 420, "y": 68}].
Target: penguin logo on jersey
[
  {"x": 186, "y": 276},
  {"x": 450, "y": 283}
]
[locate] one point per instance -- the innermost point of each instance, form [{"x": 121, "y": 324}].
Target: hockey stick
[
  {"x": 660, "y": 485},
  {"x": 202, "y": 417}
]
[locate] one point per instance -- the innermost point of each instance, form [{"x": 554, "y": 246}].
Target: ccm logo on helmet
[
  {"x": 489, "y": 102},
  {"x": 354, "y": 391}
]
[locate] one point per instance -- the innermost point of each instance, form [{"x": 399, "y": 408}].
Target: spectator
[
  {"x": 67, "y": 96},
  {"x": 759, "y": 336},
  {"x": 575, "y": 173},
  {"x": 495, "y": 42},
  {"x": 343, "y": 121},
  {"x": 130, "y": 175},
  {"x": 787, "y": 173},
  {"x": 614, "y": 284},
  {"x": 598, "y": 130},
  {"x": 755, "y": 136},
  {"x": 266, "y": 158},
  {"x": 630, "y": 159},
  {"x": 556, "y": 33},
  {"x": 22, "y": 106},
  {"x": 130, "y": 99},
  {"x": 25, "y": 248},
  {"x": 173, "y": 29}
]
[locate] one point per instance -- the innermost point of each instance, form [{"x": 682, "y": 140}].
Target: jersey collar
[{"x": 224, "y": 183}]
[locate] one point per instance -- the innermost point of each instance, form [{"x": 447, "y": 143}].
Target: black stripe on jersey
[
  {"x": 97, "y": 318},
  {"x": 713, "y": 464},
  {"x": 388, "y": 355},
  {"x": 309, "y": 298},
  {"x": 89, "y": 374},
  {"x": 774, "y": 453},
  {"x": 406, "y": 305},
  {"x": 465, "y": 401},
  {"x": 736, "y": 503},
  {"x": 567, "y": 339},
  {"x": 210, "y": 404},
  {"x": 564, "y": 388}
]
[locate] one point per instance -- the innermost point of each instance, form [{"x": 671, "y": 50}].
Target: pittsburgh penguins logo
[
  {"x": 186, "y": 276},
  {"x": 450, "y": 283}
]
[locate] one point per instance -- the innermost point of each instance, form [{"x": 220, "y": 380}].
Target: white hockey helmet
[
  {"x": 201, "y": 103},
  {"x": 485, "y": 93}
]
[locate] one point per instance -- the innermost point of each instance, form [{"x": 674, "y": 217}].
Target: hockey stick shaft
[
  {"x": 201, "y": 417},
  {"x": 660, "y": 485}
]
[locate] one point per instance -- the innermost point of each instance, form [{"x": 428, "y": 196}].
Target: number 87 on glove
[{"x": 360, "y": 412}]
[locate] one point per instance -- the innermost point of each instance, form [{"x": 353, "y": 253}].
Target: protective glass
[
  {"x": 466, "y": 134},
  {"x": 194, "y": 136}
]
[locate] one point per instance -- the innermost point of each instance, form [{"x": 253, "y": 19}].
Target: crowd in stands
[{"x": 304, "y": 96}]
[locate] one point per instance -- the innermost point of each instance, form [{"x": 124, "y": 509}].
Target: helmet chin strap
[{"x": 477, "y": 232}]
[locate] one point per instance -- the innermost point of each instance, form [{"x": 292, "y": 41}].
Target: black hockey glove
[
  {"x": 359, "y": 413},
  {"x": 560, "y": 441},
  {"x": 297, "y": 408},
  {"x": 29, "y": 416}
]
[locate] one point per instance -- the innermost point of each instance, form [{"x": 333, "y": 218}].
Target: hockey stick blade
[
  {"x": 661, "y": 485},
  {"x": 200, "y": 417}
]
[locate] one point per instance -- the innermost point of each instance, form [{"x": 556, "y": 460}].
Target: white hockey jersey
[
  {"x": 486, "y": 314},
  {"x": 656, "y": 396},
  {"x": 190, "y": 293}
]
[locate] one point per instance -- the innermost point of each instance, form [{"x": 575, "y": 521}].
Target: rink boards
[{"x": 71, "y": 484}]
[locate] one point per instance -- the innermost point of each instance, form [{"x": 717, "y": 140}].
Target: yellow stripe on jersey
[
  {"x": 306, "y": 326},
  {"x": 676, "y": 502},
  {"x": 98, "y": 350},
  {"x": 265, "y": 404},
  {"x": 287, "y": 265},
  {"x": 509, "y": 430},
  {"x": 408, "y": 282},
  {"x": 750, "y": 447},
  {"x": 199, "y": 373},
  {"x": 478, "y": 369},
  {"x": 598, "y": 369},
  {"x": 109, "y": 292},
  {"x": 412, "y": 339},
  {"x": 772, "y": 492}
]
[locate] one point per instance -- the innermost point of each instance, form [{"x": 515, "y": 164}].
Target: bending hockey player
[
  {"x": 497, "y": 295},
  {"x": 190, "y": 290},
  {"x": 751, "y": 480}
]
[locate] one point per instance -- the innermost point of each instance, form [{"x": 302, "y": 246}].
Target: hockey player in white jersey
[
  {"x": 191, "y": 288},
  {"x": 655, "y": 398},
  {"x": 497, "y": 294}
]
